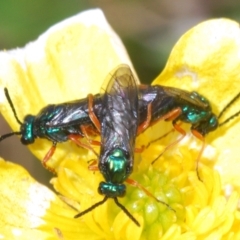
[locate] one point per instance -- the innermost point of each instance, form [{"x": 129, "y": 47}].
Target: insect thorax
[{"x": 116, "y": 166}]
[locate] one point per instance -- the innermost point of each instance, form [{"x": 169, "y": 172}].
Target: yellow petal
[
  {"x": 67, "y": 62},
  {"x": 173, "y": 180},
  {"x": 207, "y": 59},
  {"x": 31, "y": 211}
]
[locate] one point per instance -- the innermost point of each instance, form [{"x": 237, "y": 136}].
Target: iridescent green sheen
[
  {"x": 115, "y": 174},
  {"x": 112, "y": 190},
  {"x": 116, "y": 167},
  {"x": 27, "y": 130}
]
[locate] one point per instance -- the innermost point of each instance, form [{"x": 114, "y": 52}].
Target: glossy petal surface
[{"x": 207, "y": 59}]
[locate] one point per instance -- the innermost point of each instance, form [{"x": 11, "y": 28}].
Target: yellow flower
[{"x": 71, "y": 60}]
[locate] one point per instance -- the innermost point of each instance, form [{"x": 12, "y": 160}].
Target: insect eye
[
  {"x": 213, "y": 122},
  {"x": 206, "y": 126}
]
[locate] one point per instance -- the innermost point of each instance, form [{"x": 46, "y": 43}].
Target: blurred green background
[{"x": 149, "y": 29}]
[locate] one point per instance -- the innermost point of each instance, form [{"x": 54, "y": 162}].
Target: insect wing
[
  {"x": 65, "y": 114},
  {"x": 160, "y": 102},
  {"x": 120, "y": 116},
  {"x": 56, "y": 122},
  {"x": 190, "y": 97}
]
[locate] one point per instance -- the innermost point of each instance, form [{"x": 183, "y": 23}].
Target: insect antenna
[
  {"x": 126, "y": 211},
  {"x": 91, "y": 208},
  {"x": 103, "y": 201},
  {"x": 15, "y": 115},
  {"x": 9, "y": 135},
  {"x": 230, "y": 118},
  {"x": 11, "y": 105},
  {"x": 228, "y": 105}
]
